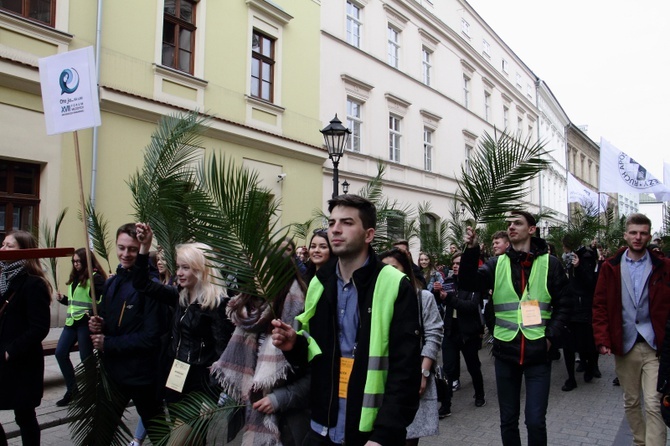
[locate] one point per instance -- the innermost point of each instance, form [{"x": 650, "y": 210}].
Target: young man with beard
[
  {"x": 630, "y": 308},
  {"x": 360, "y": 335},
  {"x": 531, "y": 310}
]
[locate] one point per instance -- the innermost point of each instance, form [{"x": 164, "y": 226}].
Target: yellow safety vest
[
  {"x": 507, "y": 305},
  {"x": 383, "y": 301}
]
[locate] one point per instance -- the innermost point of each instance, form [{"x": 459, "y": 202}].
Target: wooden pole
[{"x": 84, "y": 218}]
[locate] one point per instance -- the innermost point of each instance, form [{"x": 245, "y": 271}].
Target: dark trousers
[
  {"x": 26, "y": 419},
  {"x": 452, "y": 347},
  {"x": 146, "y": 402},
  {"x": 69, "y": 336},
  {"x": 508, "y": 380},
  {"x": 580, "y": 339}
]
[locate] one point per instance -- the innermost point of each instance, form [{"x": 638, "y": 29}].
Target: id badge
[
  {"x": 346, "y": 366},
  {"x": 177, "y": 376},
  {"x": 530, "y": 313}
]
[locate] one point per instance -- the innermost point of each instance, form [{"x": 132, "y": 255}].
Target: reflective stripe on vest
[
  {"x": 507, "y": 305},
  {"x": 79, "y": 302},
  {"x": 383, "y": 302}
]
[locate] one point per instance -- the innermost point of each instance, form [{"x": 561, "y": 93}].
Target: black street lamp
[
  {"x": 335, "y": 135},
  {"x": 345, "y": 187}
]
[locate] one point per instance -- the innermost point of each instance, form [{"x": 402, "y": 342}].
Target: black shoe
[
  {"x": 443, "y": 412},
  {"x": 569, "y": 385},
  {"x": 596, "y": 373},
  {"x": 65, "y": 400},
  {"x": 588, "y": 376},
  {"x": 480, "y": 402},
  {"x": 580, "y": 368},
  {"x": 615, "y": 381}
]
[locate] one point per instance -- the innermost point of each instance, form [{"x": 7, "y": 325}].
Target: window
[
  {"x": 395, "y": 225},
  {"x": 43, "y": 11},
  {"x": 354, "y": 123},
  {"x": 393, "y": 46},
  {"x": 465, "y": 27},
  {"x": 466, "y": 91},
  {"x": 468, "y": 156},
  {"x": 505, "y": 66},
  {"x": 179, "y": 34},
  {"x": 19, "y": 196},
  {"x": 486, "y": 48},
  {"x": 518, "y": 81},
  {"x": 519, "y": 125},
  {"x": 262, "y": 66},
  {"x": 354, "y": 24},
  {"x": 427, "y": 66},
  {"x": 505, "y": 117},
  {"x": 394, "y": 138},
  {"x": 427, "y": 149},
  {"x": 487, "y": 106}
]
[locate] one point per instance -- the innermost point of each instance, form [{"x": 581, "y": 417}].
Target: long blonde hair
[{"x": 208, "y": 290}]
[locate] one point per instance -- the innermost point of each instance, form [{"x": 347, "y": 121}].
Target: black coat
[
  {"x": 23, "y": 325},
  {"x": 582, "y": 285},
  {"x": 401, "y": 396}
]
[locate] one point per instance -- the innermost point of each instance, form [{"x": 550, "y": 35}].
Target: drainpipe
[{"x": 94, "y": 157}]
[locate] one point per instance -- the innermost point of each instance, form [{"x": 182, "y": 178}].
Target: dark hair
[
  {"x": 526, "y": 215},
  {"x": 638, "y": 219},
  {"x": 500, "y": 234},
  {"x": 404, "y": 261},
  {"x": 311, "y": 267},
  {"x": 366, "y": 210},
  {"x": 401, "y": 242},
  {"x": 128, "y": 228},
  {"x": 82, "y": 277},
  {"x": 26, "y": 240}
]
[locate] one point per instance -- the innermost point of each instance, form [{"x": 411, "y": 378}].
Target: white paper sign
[{"x": 69, "y": 91}]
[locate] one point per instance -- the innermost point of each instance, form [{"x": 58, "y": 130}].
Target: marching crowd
[{"x": 347, "y": 351}]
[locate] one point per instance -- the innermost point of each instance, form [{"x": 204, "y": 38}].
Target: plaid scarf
[
  {"x": 9, "y": 271},
  {"x": 251, "y": 367}
]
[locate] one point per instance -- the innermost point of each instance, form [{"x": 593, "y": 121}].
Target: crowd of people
[{"x": 348, "y": 349}]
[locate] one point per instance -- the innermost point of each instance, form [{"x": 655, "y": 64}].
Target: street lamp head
[
  {"x": 335, "y": 136},
  {"x": 345, "y": 187}
]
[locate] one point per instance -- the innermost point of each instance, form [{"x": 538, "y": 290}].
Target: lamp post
[
  {"x": 335, "y": 135},
  {"x": 345, "y": 187}
]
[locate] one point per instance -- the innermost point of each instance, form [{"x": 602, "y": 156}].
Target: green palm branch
[
  {"x": 94, "y": 406},
  {"x": 238, "y": 219},
  {"x": 49, "y": 239},
  {"x": 98, "y": 231},
  {"x": 165, "y": 187},
  {"x": 498, "y": 175},
  {"x": 303, "y": 231}
]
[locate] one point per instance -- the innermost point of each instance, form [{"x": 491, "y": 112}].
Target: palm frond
[
  {"x": 94, "y": 407},
  {"x": 373, "y": 189},
  {"x": 164, "y": 189},
  {"x": 49, "y": 239},
  {"x": 302, "y": 231},
  {"x": 238, "y": 219},
  {"x": 196, "y": 417},
  {"x": 98, "y": 231},
  {"x": 498, "y": 175}
]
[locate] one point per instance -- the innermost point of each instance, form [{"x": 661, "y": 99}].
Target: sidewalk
[{"x": 592, "y": 414}]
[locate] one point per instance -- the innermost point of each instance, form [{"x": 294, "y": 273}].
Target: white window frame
[
  {"x": 505, "y": 66},
  {"x": 518, "y": 81},
  {"x": 393, "y": 35},
  {"x": 428, "y": 149},
  {"x": 505, "y": 117},
  {"x": 465, "y": 27},
  {"x": 466, "y": 91},
  {"x": 486, "y": 48},
  {"x": 395, "y": 136},
  {"x": 355, "y": 124},
  {"x": 426, "y": 65},
  {"x": 487, "y": 106},
  {"x": 354, "y": 24},
  {"x": 468, "y": 155}
]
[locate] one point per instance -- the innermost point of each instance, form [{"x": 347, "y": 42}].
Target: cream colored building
[
  {"x": 253, "y": 65},
  {"x": 419, "y": 83}
]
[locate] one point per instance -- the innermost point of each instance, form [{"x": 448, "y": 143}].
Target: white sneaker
[
  {"x": 455, "y": 385},
  {"x": 134, "y": 443}
]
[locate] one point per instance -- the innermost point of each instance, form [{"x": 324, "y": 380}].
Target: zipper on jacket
[{"x": 523, "y": 348}]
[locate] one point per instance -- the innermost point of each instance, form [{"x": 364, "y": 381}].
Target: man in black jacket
[
  {"x": 361, "y": 393},
  {"x": 531, "y": 310}
]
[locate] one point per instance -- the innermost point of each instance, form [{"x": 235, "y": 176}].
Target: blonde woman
[{"x": 200, "y": 329}]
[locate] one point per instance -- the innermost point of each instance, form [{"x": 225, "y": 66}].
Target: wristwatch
[{"x": 425, "y": 372}]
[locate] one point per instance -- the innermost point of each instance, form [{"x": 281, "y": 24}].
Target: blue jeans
[
  {"x": 71, "y": 334},
  {"x": 508, "y": 380}
]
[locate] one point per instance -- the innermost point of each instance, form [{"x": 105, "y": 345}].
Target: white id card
[
  {"x": 530, "y": 312},
  {"x": 177, "y": 376}
]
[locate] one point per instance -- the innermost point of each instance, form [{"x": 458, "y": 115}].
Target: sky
[{"x": 607, "y": 62}]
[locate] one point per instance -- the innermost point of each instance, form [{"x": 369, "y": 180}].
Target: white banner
[
  {"x": 69, "y": 91},
  {"x": 622, "y": 174},
  {"x": 588, "y": 198},
  {"x": 664, "y": 196}
]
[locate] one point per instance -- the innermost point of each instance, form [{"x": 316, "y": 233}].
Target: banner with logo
[
  {"x": 69, "y": 91},
  {"x": 622, "y": 174},
  {"x": 589, "y": 199}
]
